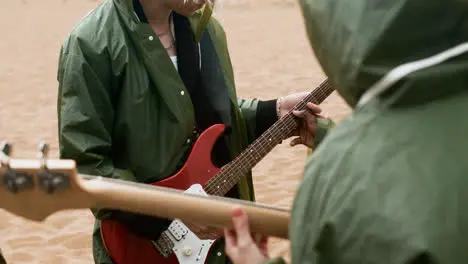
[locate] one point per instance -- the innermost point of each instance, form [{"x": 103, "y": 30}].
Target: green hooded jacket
[
  {"x": 387, "y": 185},
  {"x": 114, "y": 102}
]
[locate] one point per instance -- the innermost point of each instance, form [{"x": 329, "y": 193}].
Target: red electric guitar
[{"x": 178, "y": 244}]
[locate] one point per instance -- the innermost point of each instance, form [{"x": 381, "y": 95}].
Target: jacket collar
[{"x": 199, "y": 21}]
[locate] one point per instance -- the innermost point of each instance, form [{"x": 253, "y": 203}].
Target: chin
[
  {"x": 186, "y": 13},
  {"x": 189, "y": 11}
]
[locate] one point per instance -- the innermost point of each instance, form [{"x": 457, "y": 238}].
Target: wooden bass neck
[{"x": 35, "y": 190}]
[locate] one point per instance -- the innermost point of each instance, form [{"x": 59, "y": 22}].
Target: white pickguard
[{"x": 188, "y": 248}]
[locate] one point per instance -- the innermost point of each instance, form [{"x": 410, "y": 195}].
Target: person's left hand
[
  {"x": 240, "y": 246},
  {"x": 308, "y": 124}
]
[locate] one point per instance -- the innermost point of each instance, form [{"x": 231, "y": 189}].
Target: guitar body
[{"x": 124, "y": 247}]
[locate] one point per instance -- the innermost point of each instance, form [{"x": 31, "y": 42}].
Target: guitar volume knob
[{"x": 187, "y": 251}]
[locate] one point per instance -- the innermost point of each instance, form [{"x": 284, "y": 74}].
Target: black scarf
[{"x": 206, "y": 86}]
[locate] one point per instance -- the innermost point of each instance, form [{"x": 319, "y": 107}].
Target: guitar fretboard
[{"x": 232, "y": 172}]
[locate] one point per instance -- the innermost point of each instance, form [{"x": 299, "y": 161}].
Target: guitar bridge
[
  {"x": 181, "y": 241},
  {"x": 164, "y": 245}
]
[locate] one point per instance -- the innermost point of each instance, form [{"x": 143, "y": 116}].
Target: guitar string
[
  {"x": 256, "y": 154},
  {"x": 272, "y": 139},
  {"x": 233, "y": 173},
  {"x": 247, "y": 160},
  {"x": 289, "y": 123}
]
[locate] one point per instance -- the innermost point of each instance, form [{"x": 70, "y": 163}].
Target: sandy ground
[{"x": 271, "y": 58}]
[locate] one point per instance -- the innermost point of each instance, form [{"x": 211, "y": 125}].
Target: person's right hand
[{"x": 243, "y": 247}]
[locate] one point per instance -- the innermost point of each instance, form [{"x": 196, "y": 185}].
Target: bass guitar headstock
[{"x": 36, "y": 188}]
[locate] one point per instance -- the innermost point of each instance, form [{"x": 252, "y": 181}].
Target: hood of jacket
[{"x": 357, "y": 42}]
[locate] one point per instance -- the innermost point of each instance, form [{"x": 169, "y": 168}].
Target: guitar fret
[{"x": 232, "y": 172}]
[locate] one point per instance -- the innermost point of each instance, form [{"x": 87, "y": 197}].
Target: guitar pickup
[{"x": 178, "y": 230}]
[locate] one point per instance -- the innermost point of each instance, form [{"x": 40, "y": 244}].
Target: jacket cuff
[
  {"x": 323, "y": 127},
  {"x": 266, "y": 116}
]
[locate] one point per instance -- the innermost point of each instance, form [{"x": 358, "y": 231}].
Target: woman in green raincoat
[
  {"x": 387, "y": 185},
  {"x": 138, "y": 81}
]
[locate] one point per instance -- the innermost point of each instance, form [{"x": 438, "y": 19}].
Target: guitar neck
[
  {"x": 170, "y": 203},
  {"x": 232, "y": 172}
]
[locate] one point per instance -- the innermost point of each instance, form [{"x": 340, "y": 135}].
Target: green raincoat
[
  {"x": 387, "y": 185},
  {"x": 123, "y": 109},
  {"x": 114, "y": 103}
]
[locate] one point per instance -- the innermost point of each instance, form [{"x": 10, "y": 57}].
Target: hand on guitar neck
[{"x": 307, "y": 125}]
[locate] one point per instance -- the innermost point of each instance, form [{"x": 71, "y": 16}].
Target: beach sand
[{"x": 271, "y": 57}]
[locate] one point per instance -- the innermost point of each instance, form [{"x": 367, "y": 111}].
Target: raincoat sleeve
[
  {"x": 85, "y": 117},
  {"x": 259, "y": 115},
  {"x": 324, "y": 125},
  {"x": 248, "y": 109}
]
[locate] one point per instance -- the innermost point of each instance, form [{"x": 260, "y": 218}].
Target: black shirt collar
[{"x": 139, "y": 11}]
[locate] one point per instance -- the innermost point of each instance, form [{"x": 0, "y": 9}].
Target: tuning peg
[
  {"x": 5, "y": 154},
  {"x": 6, "y": 148},
  {"x": 12, "y": 180},
  {"x": 17, "y": 181},
  {"x": 42, "y": 150},
  {"x": 49, "y": 181}
]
